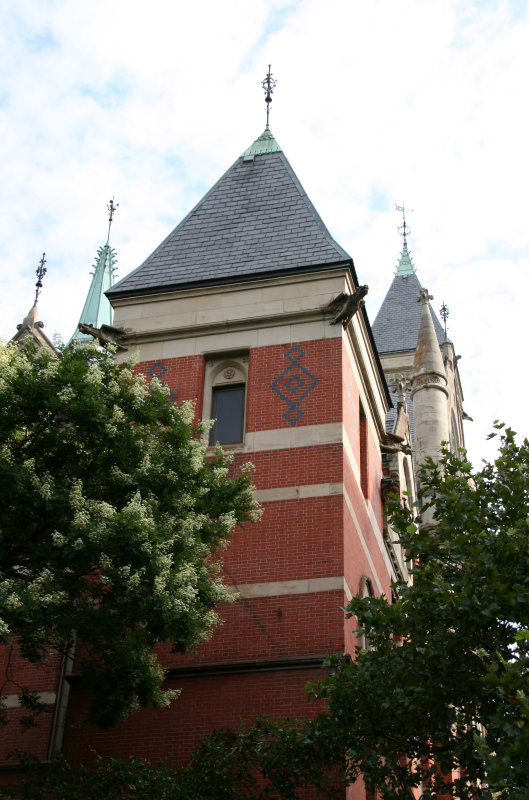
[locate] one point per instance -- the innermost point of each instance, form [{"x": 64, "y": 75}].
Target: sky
[{"x": 415, "y": 102}]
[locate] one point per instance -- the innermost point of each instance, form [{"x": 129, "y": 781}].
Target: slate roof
[
  {"x": 255, "y": 222},
  {"x": 396, "y": 327}
]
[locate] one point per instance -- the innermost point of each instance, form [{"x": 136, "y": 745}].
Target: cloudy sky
[{"x": 422, "y": 102}]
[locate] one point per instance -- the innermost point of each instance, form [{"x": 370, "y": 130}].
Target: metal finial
[
  {"x": 40, "y": 273},
  {"x": 445, "y": 313},
  {"x": 403, "y": 229},
  {"x": 111, "y": 211},
  {"x": 269, "y": 84}
]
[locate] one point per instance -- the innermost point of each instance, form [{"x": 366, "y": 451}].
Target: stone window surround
[{"x": 225, "y": 369}]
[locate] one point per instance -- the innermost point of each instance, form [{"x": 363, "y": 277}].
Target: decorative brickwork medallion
[
  {"x": 294, "y": 384},
  {"x": 158, "y": 370}
]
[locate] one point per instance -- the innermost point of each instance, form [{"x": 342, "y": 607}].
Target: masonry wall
[
  {"x": 18, "y": 673},
  {"x": 321, "y": 530}
]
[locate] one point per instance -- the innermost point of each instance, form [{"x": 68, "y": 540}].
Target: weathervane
[
  {"x": 403, "y": 229},
  {"x": 41, "y": 271},
  {"x": 269, "y": 84},
  {"x": 111, "y": 211},
  {"x": 445, "y": 313}
]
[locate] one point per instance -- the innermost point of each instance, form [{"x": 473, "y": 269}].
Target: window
[
  {"x": 228, "y": 411},
  {"x": 365, "y": 590},
  {"x": 225, "y": 397},
  {"x": 364, "y": 455}
]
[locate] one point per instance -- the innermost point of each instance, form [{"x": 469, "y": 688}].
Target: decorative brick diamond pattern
[
  {"x": 158, "y": 370},
  {"x": 294, "y": 384}
]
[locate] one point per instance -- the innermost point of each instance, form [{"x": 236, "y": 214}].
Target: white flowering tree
[{"x": 110, "y": 520}]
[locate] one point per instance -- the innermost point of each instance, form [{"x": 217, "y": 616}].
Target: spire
[
  {"x": 265, "y": 143},
  {"x": 31, "y": 325},
  {"x": 429, "y": 391},
  {"x": 97, "y": 310},
  {"x": 428, "y": 359}
]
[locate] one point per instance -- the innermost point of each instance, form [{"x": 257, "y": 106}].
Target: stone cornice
[{"x": 130, "y": 338}]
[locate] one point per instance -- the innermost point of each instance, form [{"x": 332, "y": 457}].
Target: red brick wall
[
  {"x": 321, "y": 358},
  {"x": 271, "y": 627},
  {"x": 205, "y": 703},
  {"x": 21, "y": 673},
  {"x": 296, "y": 539},
  {"x": 297, "y": 466}
]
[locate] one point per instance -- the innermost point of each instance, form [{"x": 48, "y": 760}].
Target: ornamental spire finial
[
  {"x": 269, "y": 84},
  {"x": 111, "y": 211},
  {"x": 405, "y": 266},
  {"x": 445, "y": 313},
  {"x": 40, "y": 273},
  {"x": 403, "y": 229}
]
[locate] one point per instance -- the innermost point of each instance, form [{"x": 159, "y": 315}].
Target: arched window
[{"x": 225, "y": 398}]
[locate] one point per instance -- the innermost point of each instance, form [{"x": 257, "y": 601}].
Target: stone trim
[
  {"x": 12, "y": 701},
  {"x": 286, "y": 438},
  {"x": 298, "y": 492},
  {"x": 307, "y": 586}
]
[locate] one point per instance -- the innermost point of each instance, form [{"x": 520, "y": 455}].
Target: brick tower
[{"x": 232, "y": 311}]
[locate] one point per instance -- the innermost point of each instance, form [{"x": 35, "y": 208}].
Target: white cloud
[{"x": 418, "y": 102}]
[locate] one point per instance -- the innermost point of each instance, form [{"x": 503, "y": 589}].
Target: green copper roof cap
[
  {"x": 265, "y": 143},
  {"x": 405, "y": 265},
  {"x": 97, "y": 310}
]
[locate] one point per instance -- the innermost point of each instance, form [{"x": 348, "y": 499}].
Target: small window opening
[
  {"x": 366, "y": 590},
  {"x": 228, "y": 411},
  {"x": 364, "y": 465}
]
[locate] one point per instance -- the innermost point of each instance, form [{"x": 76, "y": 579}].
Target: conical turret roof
[
  {"x": 97, "y": 310},
  {"x": 428, "y": 358},
  {"x": 396, "y": 327},
  {"x": 255, "y": 222}
]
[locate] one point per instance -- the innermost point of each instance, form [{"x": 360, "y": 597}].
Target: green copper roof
[
  {"x": 265, "y": 143},
  {"x": 405, "y": 265},
  {"x": 97, "y": 310}
]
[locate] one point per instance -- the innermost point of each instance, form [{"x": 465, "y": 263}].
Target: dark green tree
[
  {"x": 442, "y": 698},
  {"x": 111, "y": 518}
]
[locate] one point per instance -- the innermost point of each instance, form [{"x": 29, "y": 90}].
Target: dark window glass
[
  {"x": 364, "y": 465},
  {"x": 228, "y": 410}
]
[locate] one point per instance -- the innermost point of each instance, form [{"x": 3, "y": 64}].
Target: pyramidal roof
[
  {"x": 97, "y": 310},
  {"x": 255, "y": 222},
  {"x": 397, "y": 324}
]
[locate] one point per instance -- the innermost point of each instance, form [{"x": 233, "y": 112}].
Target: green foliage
[
  {"x": 442, "y": 697},
  {"x": 101, "y": 778},
  {"x": 110, "y": 519},
  {"x": 260, "y": 762}
]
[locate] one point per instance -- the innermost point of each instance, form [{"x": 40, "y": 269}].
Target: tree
[
  {"x": 442, "y": 698},
  {"x": 111, "y": 518}
]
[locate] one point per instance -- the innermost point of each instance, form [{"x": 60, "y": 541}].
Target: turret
[{"x": 429, "y": 389}]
